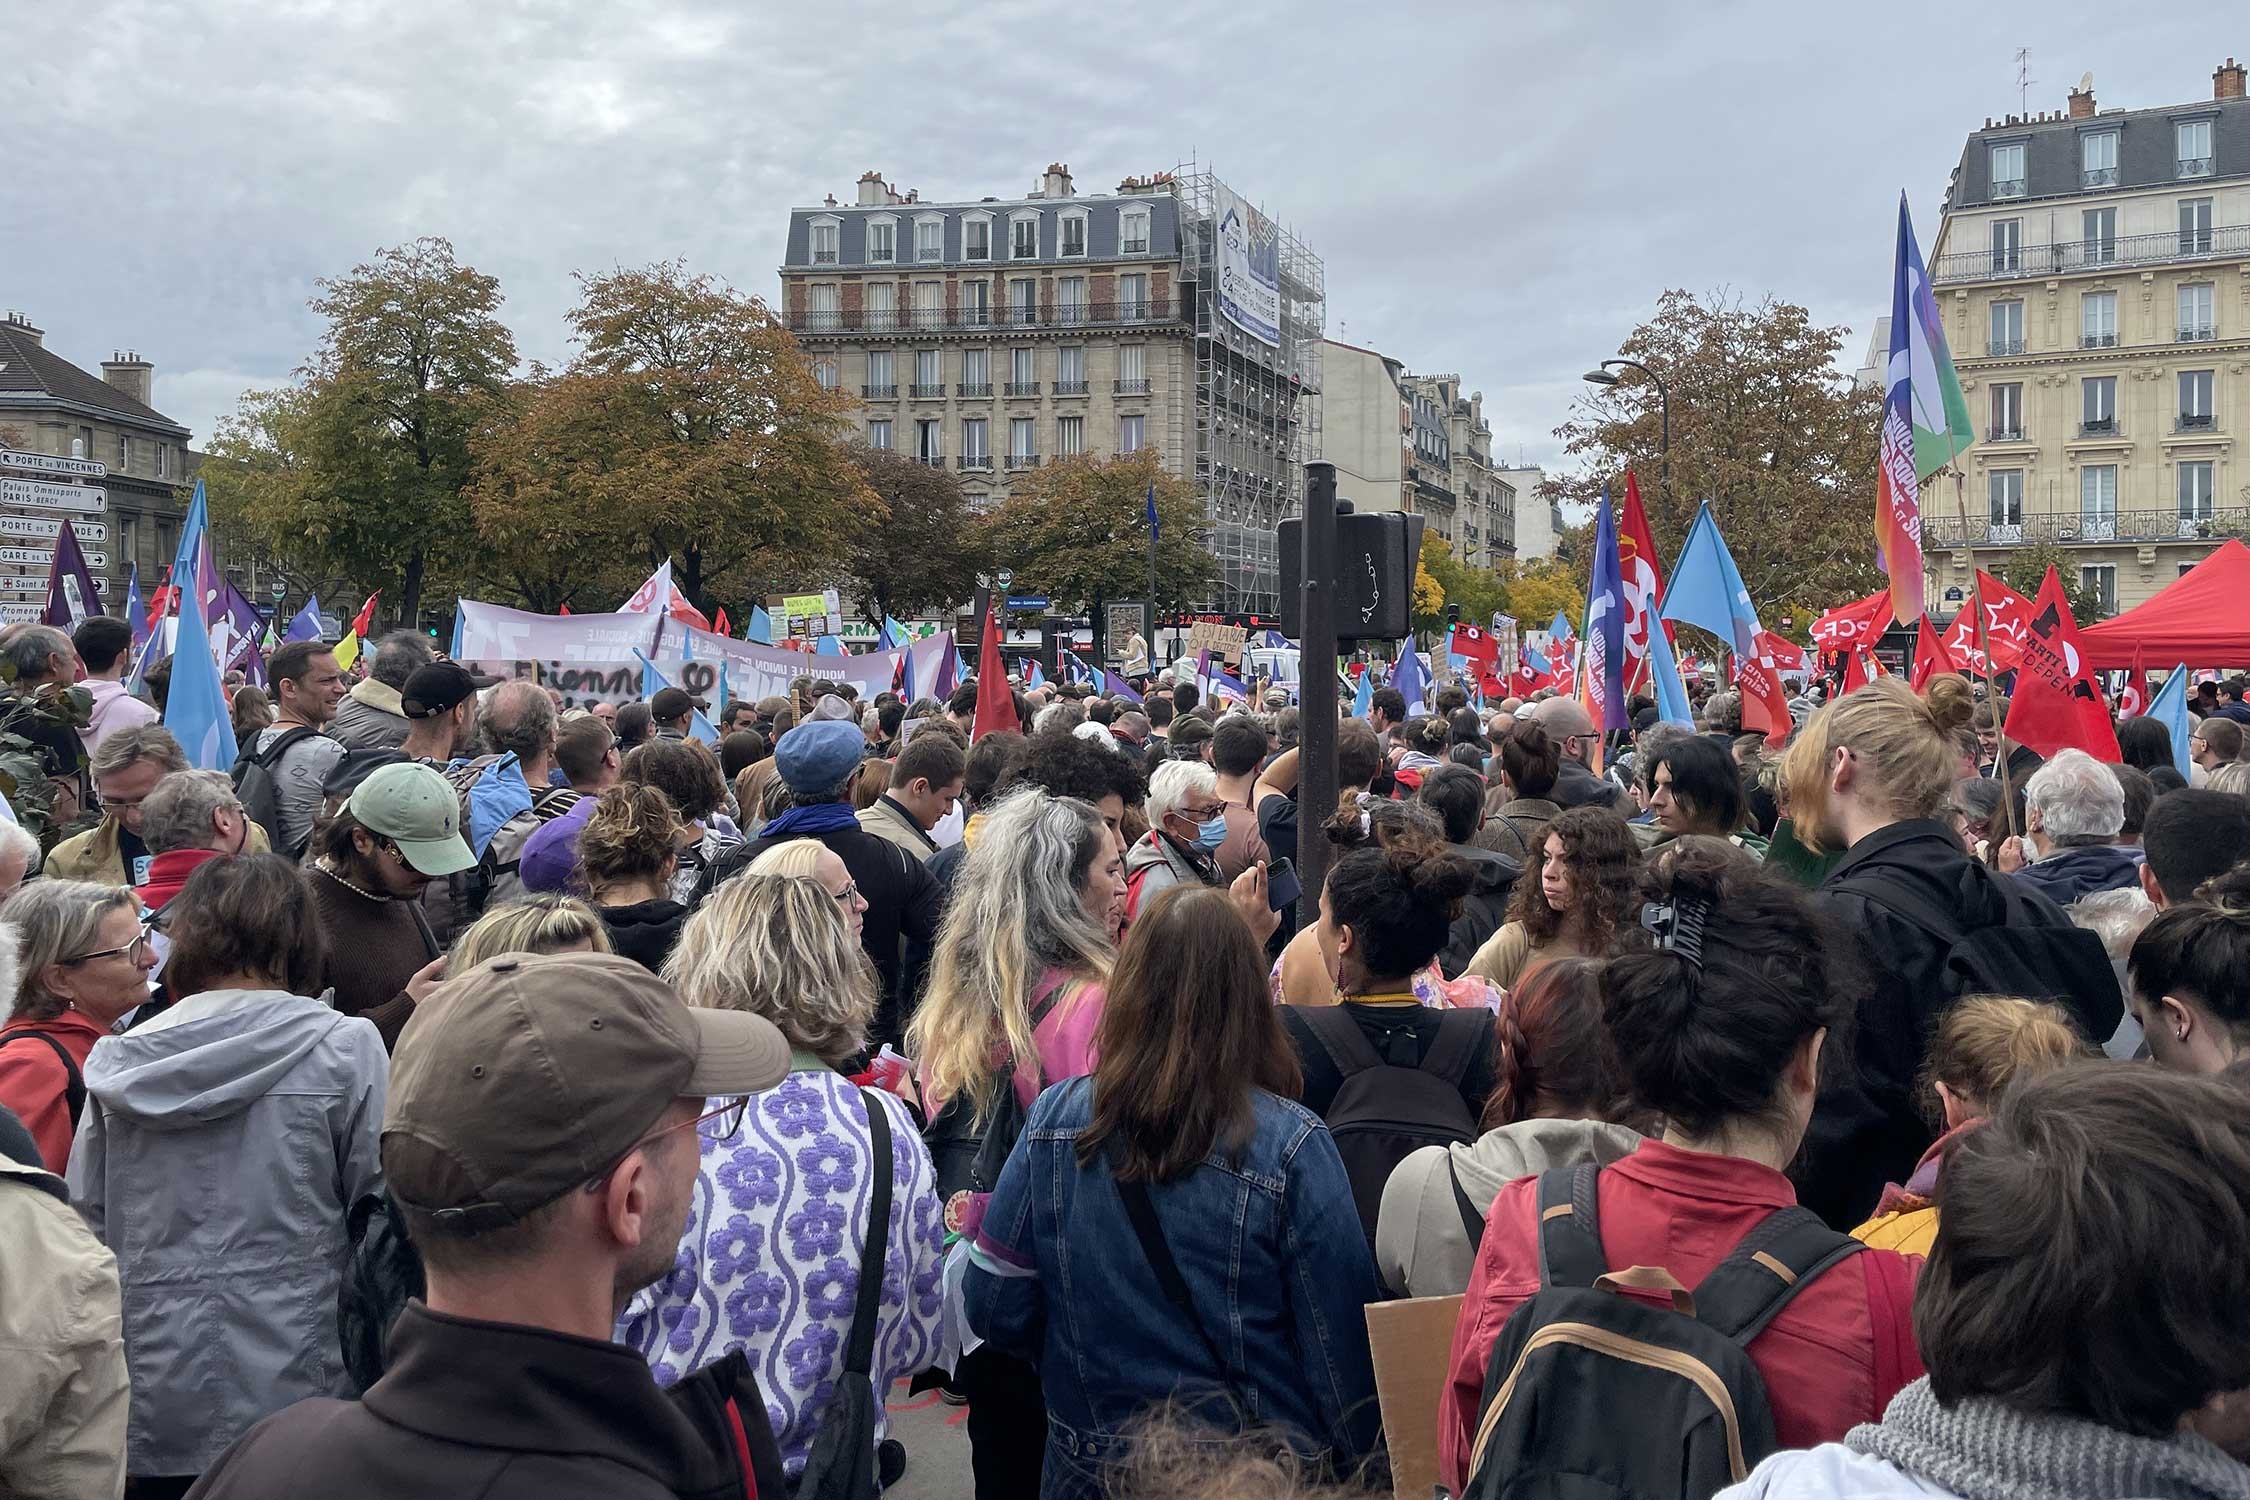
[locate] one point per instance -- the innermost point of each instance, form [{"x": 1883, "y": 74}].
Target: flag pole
[{"x": 1984, "y": 650}]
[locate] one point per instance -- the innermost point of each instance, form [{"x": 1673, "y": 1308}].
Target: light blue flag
[
  {"x": 192, "y": 526},
  {"x": 653, "y": 681},
  {"x": 1412, "y": 682},
  {"x": 1706, "y": 588},
  {"x": 1363, "y": 701},
  {"x": 1672, "y": 704},
  {"x": 719, "y": 704},
  {"x": 2170, "y": 709},
  {"x": 195, "y": 709},
  {"x": 829, "y": 645},
  {"x": 760, "y": 629},
  {"x": 304, "y": 625},
  {"x": 460, "y": 620},
  {"x": 894, "y": 634}
]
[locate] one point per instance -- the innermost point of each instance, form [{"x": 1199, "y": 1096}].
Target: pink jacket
[{"x": 114, "y": 709}]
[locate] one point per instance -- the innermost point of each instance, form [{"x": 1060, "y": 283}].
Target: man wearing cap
[
  {"x": 670, "y": 711},
  {"x": 439, "y": 702},
  {"x": 819, "y": 762},
  {"x": 400, "y": 830},
  {"x": 541, "y": 1142},
  {"x": 1567, "y": 724}
]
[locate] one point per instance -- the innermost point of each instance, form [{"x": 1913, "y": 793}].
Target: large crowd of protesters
[{"x": 481, "y": 1094}]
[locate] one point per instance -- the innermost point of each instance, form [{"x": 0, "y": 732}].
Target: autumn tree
[
  {"x": 1075, "y": 531},
  {"x": 356, "y": 469},
  {"x": 690, "y": 427},
  {"x": 1764, "y": 425},
  {"x": 926, "y": 555},
  {"x": 1442, "y": 580},
  {"x": 1537, "y": 591}
]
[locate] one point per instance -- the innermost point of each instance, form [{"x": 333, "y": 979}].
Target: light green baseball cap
[{"x": 418, "y": 810}]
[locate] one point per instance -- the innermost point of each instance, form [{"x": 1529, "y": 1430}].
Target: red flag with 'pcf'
[{"x": 2056, "y": 705}]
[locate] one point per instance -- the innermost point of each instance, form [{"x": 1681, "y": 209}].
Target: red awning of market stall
[{"x": 2202, "y": 619}]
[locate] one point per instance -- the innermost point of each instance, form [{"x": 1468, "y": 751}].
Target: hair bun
[{"x": 1948, "y": 701}]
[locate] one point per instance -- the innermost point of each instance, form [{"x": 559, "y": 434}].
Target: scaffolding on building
[{"x": 1254, "y": 408}]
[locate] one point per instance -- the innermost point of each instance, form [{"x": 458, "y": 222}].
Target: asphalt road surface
[{"x": 937, "y": 1447}]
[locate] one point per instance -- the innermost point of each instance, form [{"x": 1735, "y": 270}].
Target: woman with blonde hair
[
  {"x": 629, "y": 851},
  {"x": 546, "y": 922},
  {"x": 781, "y": 1214},
  {"x": 1984, "y": 1046},
  {"x": 810, "y": 859},
  {"x": 1872, "y": 775},
  {"x": 1015, "y": 996}
]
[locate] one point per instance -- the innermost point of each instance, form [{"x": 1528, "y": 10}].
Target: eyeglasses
[
  {"x": 138, "y": 949},
  {"x": 1205, "y": 813},
  {"x": 715, "y": 1124},
  {"x": 848, "y": 894}
]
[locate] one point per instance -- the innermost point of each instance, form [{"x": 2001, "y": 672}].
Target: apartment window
[
  {"x": 1132, "y": 297},
  {"x": 2097, "y": 407},
  {"x": 929, "y": 304},
  {"x": 882, "y": 241},
  {"x": 2191, "y": 146},
  {"x": 824, "y": 243},
  {"x": 2007, "y": 328},
  {"x": 1070, "y": 436},
  {"x": 1074, "y": 235},
  {"x": 2195, "y": 401},
  {"x": 879, "y": 434},
  {"x": 2100, "y": 580},
  {"x": 2007, "y": 412},
  {"x": 85, "y": 445},
  {"x": 1023, "y": 372},
  {"x": 882, "y": 305},
  {"x": 976, "y": 372},
  {"x": 1023, "y": 300},
  {"x": 2007, "y": 170},
  {"x": 164, "y": 460},
  {"x": 2195, "y": 226},
  {"x": 1023, "y": 237},
  {"x": 2004, "y": 494},
  {"x": 882, "y": 377},
  {"x": 2097, "y": 320},
  {"x": 1132, "y": 232},
  {"x": 2198, "y": 484},
  {"x": 2097, "y": 159},
  {"x": 929, "y": 440},
  {"x": 2097, "y": 496},
  {"x": 1131, "y": 434},
  {"x": 824, "y": 371},
  {"x": 928, "y": 373},
  {"x": 976, "y": 239},
  {"x": 976, "y": 303},
  {"x": 1070, "y": 370},
  {"x": 2099, "y": 226},
  {"x": 1132, "y": 370},
  {"x": 1070, "y": 299},
  {"x": 2198, "y": 313},
  {"x": 976, "y": 443},
  {"x": 2007, "y": 246},
  {"x": 929, "y": 239},
  {"x": 1021, "y": 443},
  {"x": 821, "y": 310}
]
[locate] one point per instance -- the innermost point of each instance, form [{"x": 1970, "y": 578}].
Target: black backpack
[
  {"x": 257, "y": 788},
  {"x": 1591, "y": 1393},
  {"x": 2055, "y": 961},
  {"x": 382, "y": 1275},
  {"x": 966, "y": 1153},
  {"x": 1394, "y": 1102}
]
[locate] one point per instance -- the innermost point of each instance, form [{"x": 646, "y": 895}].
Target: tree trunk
[{"x": 410, "y": 589}]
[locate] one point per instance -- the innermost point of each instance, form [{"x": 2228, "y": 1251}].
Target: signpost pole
[{"x": 1316, "y": 688}]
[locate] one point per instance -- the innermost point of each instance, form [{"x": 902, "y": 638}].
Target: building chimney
[
  {"x": 2082, "y": 103},
  {"x": 131, "y": 374},
  {"x": 22, "y": 325},
  {"x": 871, "y": 187},
  {"x": 1056, "y": 184},
  {"x": 2226, "y": 80}
]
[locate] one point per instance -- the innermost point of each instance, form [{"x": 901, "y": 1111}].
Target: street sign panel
[
  {"x": 48, "y": 463},
  {"x": 1027, "y": 601},
  {"x": 43, "y": 526},
  {"x": 46, "y": 496},
  {"x": 38, "y": 557}
]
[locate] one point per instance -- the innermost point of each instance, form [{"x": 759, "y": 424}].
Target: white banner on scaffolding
[{"x": 1249, "y": 269}]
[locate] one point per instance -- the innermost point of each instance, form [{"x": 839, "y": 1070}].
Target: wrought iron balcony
[
  {"x": 2092, "y": 427},
  {"x": 2197, "y": 333},
  {"x": 1070, "y": 387},
  {"x": 976, "y": 461},
  {"x": 1023, "y": 388},
  {"x": 2010, "y": 187},
  {"x": 880, "y": 392},
  {"x": 2097, "y": 177},
  {"x": 2163, "y": 247},
  {"x": 1132, "y": 387},
  {"x": 2001, "y": 348},
  {"x": 1127, "y": 313},
  {"x": 1023, "y": 461},
  {"x": 2194, "y": 166},
  {"x": 2195, "y": 421},
  {"x": 2097, "y": 341},
  {"x": 2130, "y": 526},
  {"x": 978, "y": 392},
  {"x": 2012, "y": 433},
  {"x": 934, "y": 460},
  {"x": 921, "y": 392},
  {"x": 824, "y": 257}
]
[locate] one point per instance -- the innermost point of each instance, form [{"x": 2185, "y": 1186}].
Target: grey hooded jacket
[{"x": 222, "y": 1146}]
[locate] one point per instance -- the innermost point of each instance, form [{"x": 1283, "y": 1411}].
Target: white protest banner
[
  {"x": 755, "y": 671},
  {"x": 496, "y": 634}
]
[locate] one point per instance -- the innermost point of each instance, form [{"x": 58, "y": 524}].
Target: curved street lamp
[{"x": 1605, "y": 374}]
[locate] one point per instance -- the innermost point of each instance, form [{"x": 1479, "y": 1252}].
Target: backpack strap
[
  {"x": 1141, "y": 1210},
  {"x": 1472, "y": 1220},
  {"x": 1570, "y": 1231},
  {"x": 859, "y": 1359},
  {"x": 1775, "y": 1261},
  {"x": 271, "y": 755},
  {"x": 1455, "y": 1045},
  {"x": 74, "y": 1082},
  {"x": 1337, "y": 1031}
]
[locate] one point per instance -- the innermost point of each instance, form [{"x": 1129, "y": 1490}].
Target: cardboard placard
[
  {"x": 1224, "y": 641},
  {"x": 1411, "y": 1342}
]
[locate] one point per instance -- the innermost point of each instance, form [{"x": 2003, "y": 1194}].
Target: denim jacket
[{"x": 1271, "y": 1253}]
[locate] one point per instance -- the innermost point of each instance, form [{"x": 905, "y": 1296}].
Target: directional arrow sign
[{"x": 52, "y": 496}]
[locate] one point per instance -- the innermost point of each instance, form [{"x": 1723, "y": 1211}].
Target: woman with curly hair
[
  {"x": 779, "y": 1217},
  {"x": 629, "y": 851},
  {"x": 1574, "y": 900},
  {"x": 1558, "y": 1099}
]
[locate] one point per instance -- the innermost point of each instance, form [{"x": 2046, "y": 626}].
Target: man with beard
[{"x": 541, "y": 1141}]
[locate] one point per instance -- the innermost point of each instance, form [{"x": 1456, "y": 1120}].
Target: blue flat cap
[{"x": 819, "y": 754}]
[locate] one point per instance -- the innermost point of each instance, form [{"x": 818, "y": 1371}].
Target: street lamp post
[{"x": 1604, "y": 374}]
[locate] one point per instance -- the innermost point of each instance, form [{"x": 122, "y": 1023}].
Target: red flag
[
  {"x": 2007, "y": 621},
  {"x": 366, "y": 615},
  {"x": 720, "y": 624},
  {"x": 1492, "y": 684},
  {"x": 1788, "y": 656},
  {"x": 996, "y": 704},
  {"x": 2133, "y": 700},
  {"x": 1475, "y": 644},
  {"x": 1644, "y": 578},
  {"x": 160, "y": 603},
  {"x": 563, "y": 608},
  {"x": 1857, "y": 673},
  {"x": 1765, "y": 705},
  {"x": 2056, "y": 705},
  {"x": 1849, "y": 625},
  {"x": 1930, "y": 656}
]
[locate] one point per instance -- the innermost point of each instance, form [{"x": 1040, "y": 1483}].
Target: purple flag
[
  {"x": 233, "y": 621},
  {"x": 71, "y": 595}
]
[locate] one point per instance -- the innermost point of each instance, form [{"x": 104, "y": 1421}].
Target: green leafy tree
[
  {"x": 1764, "y": 426},
  {"x": 928, "y": 554},
  {"x": 357, "y": 469},
  {"x": 1477, "y": 592},
  {"x": 1075, "y": 532},
  {"x": 2026, "y": 569},
  {"x": 1535, "y": 591}
]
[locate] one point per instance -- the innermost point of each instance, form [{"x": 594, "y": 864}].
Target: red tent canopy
[{"x": 2203, "y": 619}]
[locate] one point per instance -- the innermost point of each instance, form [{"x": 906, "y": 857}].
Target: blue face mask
[{"x": 1212, "y": 832}]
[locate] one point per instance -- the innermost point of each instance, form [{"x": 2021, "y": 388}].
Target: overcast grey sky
[{"x": 1499, "y": 190}]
